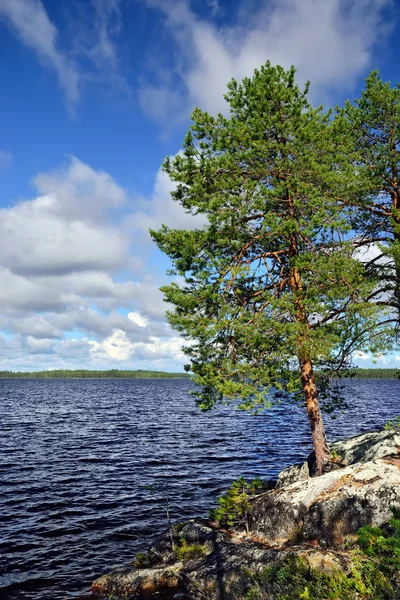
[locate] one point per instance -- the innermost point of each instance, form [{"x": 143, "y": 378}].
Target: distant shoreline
[
  {"x": 143, "y": 374},
  {"x": 87, "y": 374},
  {"x": 372, "y": 374}
]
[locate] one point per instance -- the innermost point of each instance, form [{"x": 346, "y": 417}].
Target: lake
[{"x": 78, "y": 457}]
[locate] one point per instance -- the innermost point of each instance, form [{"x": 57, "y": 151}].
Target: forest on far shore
[
  {"x": 92, "y": 374},
  {"x": 142, "y": 374},
  {"x": 373, "y": 373}
]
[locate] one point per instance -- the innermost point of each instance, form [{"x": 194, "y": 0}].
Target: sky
[{"x": 95, "y": 93}]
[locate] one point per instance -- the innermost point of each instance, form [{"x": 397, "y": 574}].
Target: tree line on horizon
[
  {"x": 358, "y": 373},
  {"x": 91, "y": 374},
  {"x": 298, "y": 267}
]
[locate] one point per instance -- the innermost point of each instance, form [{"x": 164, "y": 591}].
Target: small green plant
[
  {"x": 335, "y": 457},
  {"x": 185, "y": 551},
  {"x": 141, "y": 560},
  {"x": 393, "y": 424},
  {"x": 233, "y": 506},
  {"x": 383, "y": 546}
]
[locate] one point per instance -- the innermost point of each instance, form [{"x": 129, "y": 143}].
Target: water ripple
[{"x": 78, "y": 458}]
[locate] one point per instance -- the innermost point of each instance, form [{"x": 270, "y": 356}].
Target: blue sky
[{"x": 95, "y": 93}]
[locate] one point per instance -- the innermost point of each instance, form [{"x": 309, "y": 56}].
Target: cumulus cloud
[
  {"x": 330, "y": 43},
  {"x": 35, "y": 326},
  {"x": 70, "y": 292},
  {"x": 118, "y": 346},
  {"x": 69, "y": 295},
  {"x": 360, "y": 355},
  {"x": 29, "y": 19},
  {"x": 368, "y": 361},
  {"x": 78, "y": 191},
  {"x": 34, "y": 241},
  {"x": 64, "y": 231}
]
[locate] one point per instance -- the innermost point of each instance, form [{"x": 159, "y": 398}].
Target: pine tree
[
  {"x": 271, "y": 290},
  {"x": 373, "y": 126}
]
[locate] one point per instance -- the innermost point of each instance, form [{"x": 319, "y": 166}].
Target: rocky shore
[{"x": 299, "y": 536}]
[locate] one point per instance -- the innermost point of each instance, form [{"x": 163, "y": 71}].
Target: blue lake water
[{"x": 77, "y": 458}]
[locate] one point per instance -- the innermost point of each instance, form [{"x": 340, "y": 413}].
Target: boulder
[
  {"x": 292, "y": 474},
  {"x": 330, "y": 506},
  {"x": 357, "y": 449},
  {"x": 366, "y": 447},
  {"x": 194, "y": 531},
  {"x": 129, "y": 582}
]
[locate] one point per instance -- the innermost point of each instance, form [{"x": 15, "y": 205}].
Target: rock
[
  {"x": 193, "y": 531},
  {"x": 330, "y": 506},
  {"x": 357, "y": 449},
  {"x": 292, "y": 474},
  {"x": 222, "y": 573},
  {"x": 164, "y": 573},
  {"x": 145, "y": 582},
  {"x": 366, "y": 447}
]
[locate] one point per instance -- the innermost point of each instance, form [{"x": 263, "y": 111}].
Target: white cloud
[
  {"x": 35, "y": 240},
  {"x": 117, "y": 346},
  {"x": 39, "y": 346},
  {"x": 78, "y": 191},
  {"x": 361, "y": 355},
  {"x": 215, "y": 7},
  {"x": 34, "y": 325},
  {"x": 107, "y": 25},
  {"x": 157, "y": 348},
  {"x": 20, "y": 294},
  {"x": 163, "y": 102},
  {"x": 366, "y": 360},
  {"x": 330, "y": 43},
  {"x": 69, "y": 293},
  {"x": 30, "y": 21},
  {"x": 139, "y": 319},
  {"x": 90, "y": 53},
  {"x": 66, "y": 230}
]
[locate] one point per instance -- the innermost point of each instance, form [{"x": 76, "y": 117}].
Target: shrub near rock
[
  {"x": 234, "y": 505},
  {"x": 186, "y": 551}
]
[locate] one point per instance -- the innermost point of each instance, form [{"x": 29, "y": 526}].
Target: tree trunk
[
  {"x": 396, "y": 234},
  {"x": 395, "y": 196},
  {"x": 321, "y": 449}
]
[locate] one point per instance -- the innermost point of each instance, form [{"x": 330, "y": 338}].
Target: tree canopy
[
  {"x": 272, "y": 287},
  {"x": 373, "y": 126}
]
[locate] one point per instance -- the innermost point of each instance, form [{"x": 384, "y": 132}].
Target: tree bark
[
  {"x": 395, "y": 214},
  {"x": 321, "y": 449},
  {"x": 322, "y": 454}
]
